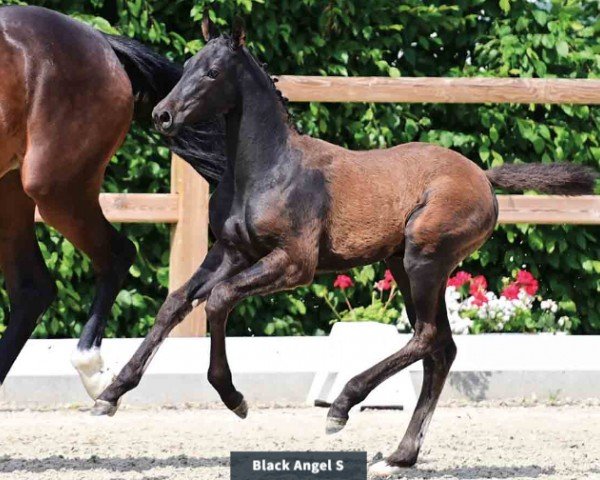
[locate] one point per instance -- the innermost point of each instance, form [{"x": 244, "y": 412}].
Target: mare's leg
[
  {"x": 66, "y": 191},
  {"x": 274, "y": 272},
  {"x": 220, "y": 263},
  {"x": 30, "y": 287}
]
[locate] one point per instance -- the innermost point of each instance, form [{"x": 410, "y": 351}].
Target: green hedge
[{"x": 503, "y": 38}]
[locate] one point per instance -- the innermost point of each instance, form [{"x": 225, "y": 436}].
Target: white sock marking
[
  {"x": 383, "y": 469},
  {"x": 94, "y": 376}
]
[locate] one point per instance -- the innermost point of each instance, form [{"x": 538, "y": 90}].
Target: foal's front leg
[
  {"x": 277, "y": 271},
  {"x": 220, "y": 263}
]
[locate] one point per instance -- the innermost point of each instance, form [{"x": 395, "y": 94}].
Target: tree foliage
[{"x": 517, "y": 38}]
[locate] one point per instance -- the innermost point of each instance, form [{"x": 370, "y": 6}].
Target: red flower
[
  {"x": 479, "y": 298},
  {"x": 388, "y": 277},
  {"x": 343, "y": 282},
  {"x": 527, "y": 282},
  {"x": 511, "y": 291},
  {"x": 386, "y": 282},
  {"x": 478, "y": 285},
  {"x": 459, "y": 279}
]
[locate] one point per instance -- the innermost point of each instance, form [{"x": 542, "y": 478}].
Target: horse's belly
[{"x": 360, "y": 244}]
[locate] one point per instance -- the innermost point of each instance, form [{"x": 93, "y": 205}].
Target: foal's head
[{"x": 209, "y": 84}]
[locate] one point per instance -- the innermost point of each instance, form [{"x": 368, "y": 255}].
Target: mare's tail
[{"x": 152, "y": 77}]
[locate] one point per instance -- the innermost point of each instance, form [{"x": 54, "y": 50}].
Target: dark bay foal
[
  {"x": 290, "y": 206},
  {"x": 68, "y": 94}
]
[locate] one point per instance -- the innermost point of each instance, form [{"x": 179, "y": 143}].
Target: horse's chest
[{"x": 251, "y": 232}]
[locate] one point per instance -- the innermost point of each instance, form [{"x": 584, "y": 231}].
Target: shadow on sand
[
  {"x": 114, "y": 464},
  {"x": 478, "y": 472},
  {"x": 142, "y": 464}
]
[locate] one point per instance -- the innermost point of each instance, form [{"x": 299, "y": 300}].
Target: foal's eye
[{"x": 212, "y": 73}]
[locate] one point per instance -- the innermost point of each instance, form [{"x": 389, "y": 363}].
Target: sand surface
[{"x": 464, "y": 442}]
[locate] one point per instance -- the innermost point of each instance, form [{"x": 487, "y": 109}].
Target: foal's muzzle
[{"x": 163, "y": 121}]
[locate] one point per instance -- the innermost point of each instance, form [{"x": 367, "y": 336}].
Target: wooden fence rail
[
  {"x": 440, "y": 90},
  {"x": 186, "y": 207},
  {"x": 534, "y": 209}
]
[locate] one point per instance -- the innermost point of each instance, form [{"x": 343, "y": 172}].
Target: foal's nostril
[{"x": 165, "y": 120}]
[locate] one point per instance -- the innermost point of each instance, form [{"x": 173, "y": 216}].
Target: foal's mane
[{"x": 272, "y": 81}]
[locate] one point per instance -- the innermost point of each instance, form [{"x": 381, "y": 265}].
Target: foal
[
  {"x": 67, "y": 96},
  {"x": 290, "y": 206}
]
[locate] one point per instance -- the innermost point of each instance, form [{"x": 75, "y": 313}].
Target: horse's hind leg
[
  {"x": 427, "y": 264},
  {"x": 72, "y": 207},
  {"x": 30, "y": 287}
]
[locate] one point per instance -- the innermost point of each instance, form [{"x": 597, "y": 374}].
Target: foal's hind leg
[
  {"x": 427, "y": 273},
  {"x": 73, "y": 209},
  {"x": 30, "y": 287}
]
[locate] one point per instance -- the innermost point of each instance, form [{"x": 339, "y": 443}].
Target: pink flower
[
  {"x": 511, "y": 291},
  {"x": 388, "y": 277},
  {"x": 527, "y": 282},
  {"x": 343, "y": 282},
  {"x": 478, "y": 285},
  {"x": 459, "y": 279},
  {"x": 386, "y": 282},
  {"x": 479, "y": 298}
]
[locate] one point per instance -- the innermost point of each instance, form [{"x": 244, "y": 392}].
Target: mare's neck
[{"x": 256, "y": 129}]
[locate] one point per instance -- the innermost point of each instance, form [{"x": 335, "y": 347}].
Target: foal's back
[{"x": 374, "y": 193}]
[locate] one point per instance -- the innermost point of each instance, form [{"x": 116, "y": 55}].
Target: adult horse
[
  {"x": 67, "y": 97},
  {"x": 290, "y": 206}
]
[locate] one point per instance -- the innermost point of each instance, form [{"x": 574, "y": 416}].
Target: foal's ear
[
  {"x": 209, "y": 30},
  {"x": 238, "y": 34}
]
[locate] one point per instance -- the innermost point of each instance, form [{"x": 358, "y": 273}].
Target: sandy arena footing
[{"x": 464, "y": 442}]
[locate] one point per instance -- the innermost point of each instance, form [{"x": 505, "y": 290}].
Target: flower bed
[{"x": 472, "y": 308}]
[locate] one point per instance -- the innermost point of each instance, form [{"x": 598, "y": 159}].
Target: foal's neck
[{"x": 257, "y": 130}]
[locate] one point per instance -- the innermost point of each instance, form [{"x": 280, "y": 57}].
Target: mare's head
[{"x": 209, "y": 84}]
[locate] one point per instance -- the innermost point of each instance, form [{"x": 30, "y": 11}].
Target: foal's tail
[
  {"x": 553, "y": 178},
  {"x": 152, "y": 77}
]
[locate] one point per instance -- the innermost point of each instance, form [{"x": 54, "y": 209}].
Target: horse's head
[{"x": 208, "y": 86}]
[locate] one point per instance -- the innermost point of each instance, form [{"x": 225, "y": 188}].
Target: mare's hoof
[
  {"x": 383, "y": 469},
  {"x": 102, "y": 407},
  {"x": 334, "y": 425},
  {"x": 241, "y": 410}
]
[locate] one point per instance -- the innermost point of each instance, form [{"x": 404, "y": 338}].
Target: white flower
[
  {"x": 562, "y": 320},
  {"x": 549, "y": 305}
]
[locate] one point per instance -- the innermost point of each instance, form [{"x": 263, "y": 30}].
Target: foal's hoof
[
  {"x": 102, "y": 407},
  {"x": 334, "y": 425},
  {"x": 241, "y": 410},
  {"x": 383, "y": 469}
]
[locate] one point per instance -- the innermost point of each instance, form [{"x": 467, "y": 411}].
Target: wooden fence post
[{"x": 189, "y": 238}]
